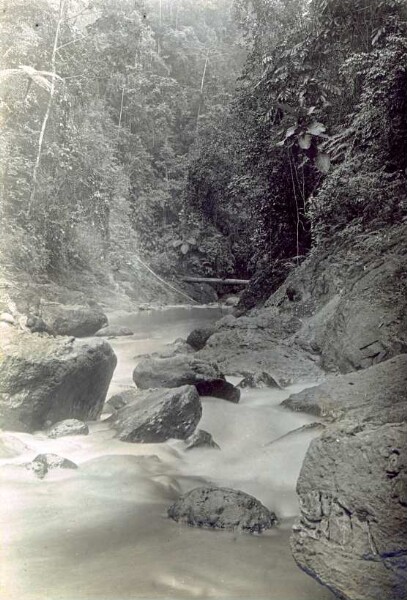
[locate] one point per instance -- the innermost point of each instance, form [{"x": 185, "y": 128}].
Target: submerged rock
[
  {"x": 260, "y": 379},
  {"x": 49, "y": 379},
  {"x": 79, "y": 321},
  {"x": 155, "y": 416},
  {"x": 198, "y": 337},
  {"x": 114, "y": 331},
  {"x": 201, "y": 439},
  {"x": 45, "y": 462},
  {"x": 222, "y": 508},
  {"x": 68, "y": 427}
]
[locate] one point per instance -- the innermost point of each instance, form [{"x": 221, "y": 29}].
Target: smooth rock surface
[
  {"x": 154, "y": 416},
  {"x": 49, "y": 379},
  {"x": 114, "y": 331},
  {"x": 173, "y": 372},
  {"x": 352, "y": 533},
  {"x": 68, "y": 427},
  {"x": 377, "y": 394},
  {"x": 222, "y": 508},
  {"x": 79, "y": 321}
]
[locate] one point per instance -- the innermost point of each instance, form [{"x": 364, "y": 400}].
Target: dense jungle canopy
[{"x": 210, "y": 137}]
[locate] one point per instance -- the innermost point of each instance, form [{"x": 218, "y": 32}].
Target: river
[{"x": 101, "y": 532}]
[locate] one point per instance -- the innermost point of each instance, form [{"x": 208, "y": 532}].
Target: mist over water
[{"x": 102, "y": 532}]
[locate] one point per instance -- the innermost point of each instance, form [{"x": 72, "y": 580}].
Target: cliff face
[{"x": 351, "y": 297}]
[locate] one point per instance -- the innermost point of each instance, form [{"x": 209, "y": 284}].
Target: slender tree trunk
[
  {"x": 47, "y": 111},
  {"x": 121, "y": 110},
  {"x": 201, "y": 90}
]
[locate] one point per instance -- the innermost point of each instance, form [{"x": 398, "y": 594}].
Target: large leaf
[
  {"x": 185, "y": 248},
  {"x": 316, "y": 128},
  {"x": 323, "y": 162},
  {"x": 290, "y": 132},
  {"x": 305, "y": 141}
]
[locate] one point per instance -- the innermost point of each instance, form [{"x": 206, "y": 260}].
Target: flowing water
[{"x": 101, "y": 532}]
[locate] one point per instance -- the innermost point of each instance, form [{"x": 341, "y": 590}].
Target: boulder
[
  {"x": 201, "y": 292},
  {"x": 198, "y": 337},
  {"x": 222, "y": 508},
  {"x": 219, "y": 388},
  {"x": 352, "y": 532},
  {"x": 45, "y": 462},
  {"x": 49, "y": 379},
  {"x": 181, "y": 370},
  {"x": 173, "y": 371},
  {"x": 260, "y": 379},
  {"x": 154, "y": 416},
  {"x": 79, "y": 321},
  {"x": 68, "y": 427},
  {"x": 201, "y": 439},
  {"x": 36, "y": 325},
  {"x": 232, "y": 301},
  {"x": 114, "y": 331}
]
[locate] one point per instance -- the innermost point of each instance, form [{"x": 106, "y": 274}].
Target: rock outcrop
[
  {"x": 352, "y": 533},
  {"x": 222, "y": 508},
  {"x": 45, "y": 379},
  {"x": 154, "y": 416},
  {"x": 79, "y": 321}
]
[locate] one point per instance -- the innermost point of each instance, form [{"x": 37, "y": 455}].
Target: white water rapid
[{"x": 101, "y": 532}]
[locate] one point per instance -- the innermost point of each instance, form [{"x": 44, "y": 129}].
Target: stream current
[{"x": 101, "y": 532}]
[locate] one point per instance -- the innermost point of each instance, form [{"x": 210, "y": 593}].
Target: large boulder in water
[
  {"x": 219, "y": 388},
  {"x": 79, "y": 321},
  {"x": 181, "y": 370},
  {"x": 198, "y": 337},
  {"x": 352, "y": 533},
  {"x": 45, "y": 379},
  {"x": 46, "y": 462},
  {"x": 222, "y": 508},
  {"x": 155, "y": 416}
]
